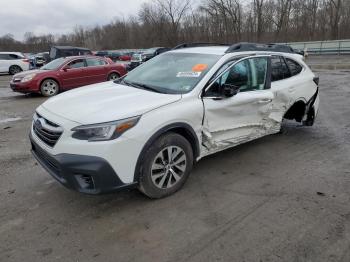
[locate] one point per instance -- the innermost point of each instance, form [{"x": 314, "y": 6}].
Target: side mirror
[
  {"x": 229, "y": 90},
  {"x": 66, "y": 68}
]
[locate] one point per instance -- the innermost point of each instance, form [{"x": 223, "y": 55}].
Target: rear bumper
[{"x": 86, "y": 174}]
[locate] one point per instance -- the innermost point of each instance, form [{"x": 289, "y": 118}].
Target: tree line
[{"x": 170, "y": 22}]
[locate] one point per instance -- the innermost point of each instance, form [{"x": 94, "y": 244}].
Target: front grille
[
  {"x": 46, "y": 131},
  {"x": 46, "y": 159}
]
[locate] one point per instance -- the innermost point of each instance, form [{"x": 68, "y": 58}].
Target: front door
[
  {"x": 233, "y": 120},
  {"x": 72, "y": 74}
]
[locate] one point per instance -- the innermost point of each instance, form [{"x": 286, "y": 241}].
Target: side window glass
[
  {"x": 248, "y": 75},
  {"x": 4, "y": 57},
  {"x": 276, "y": 69},
  {"x": 294, "y": 67},
  {"x": 77, "y": 63},
  {"x": 13, "y": 57},
  {"x": 94, "y": 62},
  {"x": 285, "y": 69}
]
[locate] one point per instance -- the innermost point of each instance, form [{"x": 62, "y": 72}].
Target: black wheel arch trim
[{"x": 179, "y": 125}]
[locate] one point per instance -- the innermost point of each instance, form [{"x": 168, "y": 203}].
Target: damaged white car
[{"x": 148, "y": 128}]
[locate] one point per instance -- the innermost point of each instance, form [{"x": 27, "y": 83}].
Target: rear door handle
[{"x": 265, "y": 101}]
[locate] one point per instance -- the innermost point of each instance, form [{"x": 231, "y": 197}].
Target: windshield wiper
[{"x": 143, "y": 86}]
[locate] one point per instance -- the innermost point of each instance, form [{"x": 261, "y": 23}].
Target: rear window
[
  {"x": 95, "y": 62},
  {"x": 294, "y": 67}
]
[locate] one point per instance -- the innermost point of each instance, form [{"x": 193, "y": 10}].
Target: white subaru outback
[{"x": 148, "y": 128}]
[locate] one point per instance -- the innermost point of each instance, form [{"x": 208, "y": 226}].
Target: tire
[
  {"x": 15, "y": 69},
  {"x": 159, "y": 178},
  {"x": 113, "y": 76},
  {"x": 49, "y": 87}
]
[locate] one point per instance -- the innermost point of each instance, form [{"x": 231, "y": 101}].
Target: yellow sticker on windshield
[{"x": 199, "y": 67}]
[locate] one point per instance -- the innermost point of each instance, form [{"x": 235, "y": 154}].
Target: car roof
[
  {"x": 13, "y": 53},
  {"x": 71, "y": 47},
  {"x": 81, "y": 57},
  {"x": 221, "y": 50},
  {"x": 213, "y": 50}
]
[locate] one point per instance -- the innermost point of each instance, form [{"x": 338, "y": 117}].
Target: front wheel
[
  {"x": 166, "y": 166},
  {"x": 49, "y": 87},
  {"x": 14, "y": 70}
]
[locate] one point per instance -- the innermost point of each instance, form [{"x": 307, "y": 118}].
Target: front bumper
[
  {"x": 26, "y": 87},
  {"x": 86, "y": 174}
]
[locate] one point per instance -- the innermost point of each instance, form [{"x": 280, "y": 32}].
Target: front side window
[
  {"x": 247, "y": 75},
  {"x": 79, "y": 63},
  {"x": 173, "y": 73},
  {"x": 4, "y": 57}
]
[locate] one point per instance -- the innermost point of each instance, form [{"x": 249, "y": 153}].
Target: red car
[
  {"x": 125, "y": 57},
  {"x": 67, "y": 73}
]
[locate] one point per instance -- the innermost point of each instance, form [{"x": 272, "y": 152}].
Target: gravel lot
[{"x": 280, "y": 198}]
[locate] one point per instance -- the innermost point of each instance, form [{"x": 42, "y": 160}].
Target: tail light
[
  {"x": 316, "y": 80},
  {"x": 25, "y": 60}
]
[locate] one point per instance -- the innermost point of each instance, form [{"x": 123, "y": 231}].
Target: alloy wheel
[
  {"x": 168, "y": 167},
  {"x": 49, "y": 88}
]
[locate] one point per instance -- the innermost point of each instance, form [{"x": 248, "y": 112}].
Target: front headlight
[
  {"x": 104, "y": 131},
  {"x": 28, "y": 77}
]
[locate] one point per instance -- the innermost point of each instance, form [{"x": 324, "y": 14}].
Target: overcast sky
[{"x": 60, "y": 16}]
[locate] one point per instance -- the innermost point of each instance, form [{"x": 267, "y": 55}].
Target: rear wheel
[
  {"x": 113, "y": 76},
  {"x": 15, "y": 69},
  {"x": 166, "y": 166},
  {"x": 49, "y": 87}
]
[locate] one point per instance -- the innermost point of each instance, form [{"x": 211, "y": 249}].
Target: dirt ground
[{"x": 280, "y": 198}]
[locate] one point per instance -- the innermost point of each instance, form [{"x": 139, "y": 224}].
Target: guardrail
[{"x": 323, "y": 47}]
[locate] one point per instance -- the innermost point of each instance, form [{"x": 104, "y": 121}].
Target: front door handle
[
  {"x": 291, "y": 89},
  {"x": 265, "y": 101}
]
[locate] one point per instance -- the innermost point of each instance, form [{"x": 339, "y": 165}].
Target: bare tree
[
  {"x": 170, "y": 22},
  {"x": 175, "y": 10}
]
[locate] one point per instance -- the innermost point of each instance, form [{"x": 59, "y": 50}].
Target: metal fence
[{"x": 323, "y": 47}]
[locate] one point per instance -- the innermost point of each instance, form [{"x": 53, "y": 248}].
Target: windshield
[
  {"x": 173, "y": 73},
  {"x": 54, "y": 64}
]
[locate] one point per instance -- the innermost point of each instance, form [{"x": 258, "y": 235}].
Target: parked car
[
  {"x": 148, "y": 128},
  {"x": 114, "y": 56},
  {"x": 65, "y": 51},
  {"x": 67, "y": 73},
  {"x": 141, "y": 57},
  {"x": 39, "y": 59},
  {"x": 125, "y": 56},
  {"x": 13, "y": 62}
]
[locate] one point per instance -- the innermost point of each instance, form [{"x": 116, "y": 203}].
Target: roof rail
[
  {"x": 187, "y": 45},
  {"x": 244, "y": 46}
]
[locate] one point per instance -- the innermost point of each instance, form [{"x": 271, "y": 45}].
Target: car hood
[
  {"x": 29, "y": 72},
  {"x": 106, "y": 102}
]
